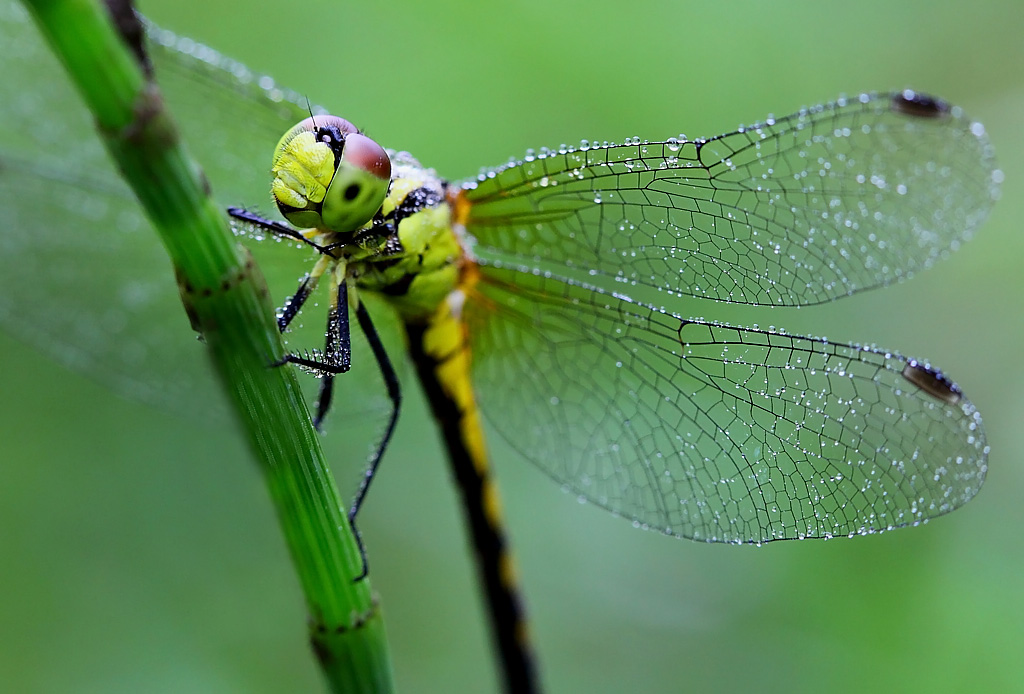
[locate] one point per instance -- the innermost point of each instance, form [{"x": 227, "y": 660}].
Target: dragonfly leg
[
  {"x": 323, "y": 400},
  {"x": 295, "y": 302},
  {"x": 387, "y": 372},
  {"x": 337, "y": 355},
  {"x": 276, "y": 228}
]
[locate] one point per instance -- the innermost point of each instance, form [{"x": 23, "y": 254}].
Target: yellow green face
[{"x": 328, "y": 175}]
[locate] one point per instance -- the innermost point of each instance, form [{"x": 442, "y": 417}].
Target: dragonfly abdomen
[{"x": 441, "y": 353}]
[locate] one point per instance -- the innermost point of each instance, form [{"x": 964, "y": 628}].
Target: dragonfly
[{"x": 551, "y": 294}]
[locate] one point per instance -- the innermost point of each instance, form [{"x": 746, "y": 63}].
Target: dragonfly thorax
[{"x": 407, "y": 252}]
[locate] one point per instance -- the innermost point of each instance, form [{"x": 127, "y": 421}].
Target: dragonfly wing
[
  {"x": 713, "y": 432},
  {"x": 82, "y": 276},
  {"x": 799, "y": 210},
  {"x": 229, "y": 116}
]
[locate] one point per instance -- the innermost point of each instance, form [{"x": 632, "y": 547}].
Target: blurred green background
[{"x": 140, "y": 552}]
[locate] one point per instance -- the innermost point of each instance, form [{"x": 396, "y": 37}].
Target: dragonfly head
[{"x": 328, "y": 175}]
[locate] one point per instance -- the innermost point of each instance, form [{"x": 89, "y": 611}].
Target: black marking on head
[
  {"x": 331, "y": 135},
  {"x": 911, "y": 103},
  {"x": 352, "y": 192}
]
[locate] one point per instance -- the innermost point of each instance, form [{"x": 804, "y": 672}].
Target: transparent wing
[
  {"x": 714, "y": 432},
  {"x": 81, "y": 274},
  {"x": 826, "y": 202}
]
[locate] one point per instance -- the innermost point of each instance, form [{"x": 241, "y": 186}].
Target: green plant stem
[{"x": 226, "y": 299}]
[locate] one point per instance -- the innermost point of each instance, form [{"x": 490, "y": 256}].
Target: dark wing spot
[
  {"x": 911, "y": 103},
  {"x": 932, "y": 382}
]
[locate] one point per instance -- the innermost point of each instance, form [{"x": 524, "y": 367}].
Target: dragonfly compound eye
[
  {"x": 329, "y": 176},
  {"x": 360, "y": 184}
]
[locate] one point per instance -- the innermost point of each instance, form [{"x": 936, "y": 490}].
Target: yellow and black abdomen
[
  {"x": 424, "y": 273},
  {"x": 439, "y": 347}
]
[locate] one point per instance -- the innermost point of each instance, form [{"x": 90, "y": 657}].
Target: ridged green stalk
[{"x": 227, "y": 301}]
